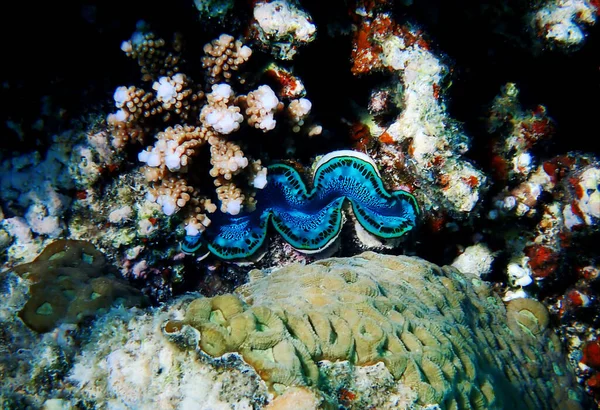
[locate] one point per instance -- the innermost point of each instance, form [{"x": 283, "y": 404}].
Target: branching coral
[
  {"x": 224, "y": 56},
  {"x": 197, "y": 121},
  {"x": 194, "y": 119},
  {"x": 260, "y": 106},
  {"x": 153, "y": 55}
]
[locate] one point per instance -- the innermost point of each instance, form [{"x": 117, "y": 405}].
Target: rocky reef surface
[{"x": 370, "y": 330}]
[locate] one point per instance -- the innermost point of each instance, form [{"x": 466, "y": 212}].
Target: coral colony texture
[
  {"x": 275, "y": 204},
  {"x": 71, "y": 280},
  {"x": 443, "y": 335}
]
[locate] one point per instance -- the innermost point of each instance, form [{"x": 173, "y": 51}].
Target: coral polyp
[{"x": 310, "y": 221}]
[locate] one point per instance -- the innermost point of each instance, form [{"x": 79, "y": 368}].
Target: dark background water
[{"x": 62, "y": 61}]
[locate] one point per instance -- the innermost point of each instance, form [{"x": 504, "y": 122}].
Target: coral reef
[
  {"x": 559, "y": 193},
  {"x": 120, "y": 360},
  {"x": 71, "y": 281},
  {"x": 205, "y": 119},
  {"x": 80, "y": 189},
  {"x": 547, "y": 204},
  {"x": 127, "y": 362},
  {"x": 35, "y": 188},
  {"x": 517, "y": 133},
  {"x": 312, "y": 221},
  {"x": 444, "y": 335},
  {"x": 561, "y": 23},
  {"x": 123, "y": 359},
  {"x": 188, "y": 141},
  {"x": 281, "y": 27},
  {"x": 421, "y": 140}
]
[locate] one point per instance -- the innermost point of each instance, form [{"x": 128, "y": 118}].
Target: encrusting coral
[
  {"x": 442, "y": 334},
  {"x": 552, "y": 202},
  {"x": 422, "y": 140},
  {"x": 71, "y": 281},
  {"x": 281, "y": 27},
  {"x": 561, "y": 24}
]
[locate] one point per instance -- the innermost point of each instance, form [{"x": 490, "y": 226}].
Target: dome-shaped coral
[
  {"x": 442, "y": 334},
  {"x": 71, "y": 280}
]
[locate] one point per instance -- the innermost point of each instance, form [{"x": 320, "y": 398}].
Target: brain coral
[
  {"x": 71, "y": 280},
  {"x": 441, "y": 333}
]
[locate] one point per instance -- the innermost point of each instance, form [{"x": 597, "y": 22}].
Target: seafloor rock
[{"x": 443, "y": 336}]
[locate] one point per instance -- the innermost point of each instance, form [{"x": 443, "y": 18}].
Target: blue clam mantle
[{"x": 311, "y": 221}]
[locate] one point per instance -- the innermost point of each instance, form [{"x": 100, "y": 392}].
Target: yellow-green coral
[
  {"x": 71, "y": 280},
  {"x": 441, "y": 333}
]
